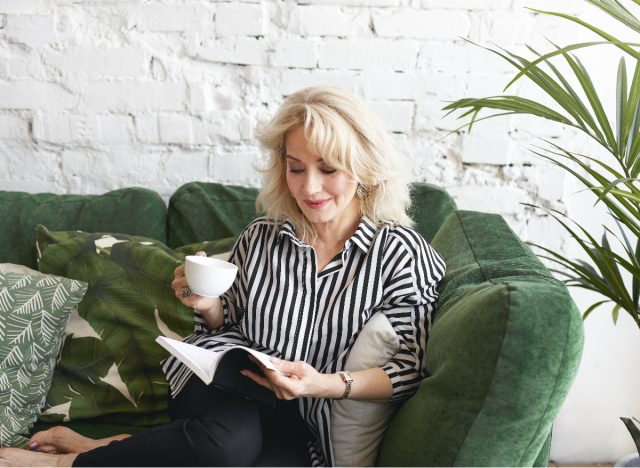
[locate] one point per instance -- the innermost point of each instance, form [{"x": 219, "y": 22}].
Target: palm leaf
[{"x": 621, "y": 44}]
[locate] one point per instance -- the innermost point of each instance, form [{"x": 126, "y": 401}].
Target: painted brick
[
  {"x": 397, "y": 115},
  {"x": 461, "y": 57},
  {"x": 89, "y": 171},
  {"x": 115, "y": 129},
  {"x": 240, "y": 51},
  {"x": 367, "y": 54},
  {"x": 175, "y": 128},
  {"x": 32, "y": 95},
  {"x": 292, "y": 80},
  {"x": 13, "y": 128},
  {"x": 298, "y": 53},
  {"x": 500, "y": 200},
  {"x": 235, "y": 163},
  {"x": 200, "y": 97},
  {"x": 22, "y": 7},
  {"x": 24, "y": 69},
  {"x": 123, "y": 96},
  {"x": 353, "y": 3},
  {"x": 465, "y": 5},
  {"x": 318, "y": 20},
  {"x": 545, "y": 230},
  {"x": 184, "y": 166},
  {"x": 421, "y": 24},
  {"x": 411, "y": 85},
  {"x": 482, "y": 148},
  {"x": 32, "y": 165},
  {"x": 146, "y": 128},
  {"x": 98, "y": 63},
  {"x": 238, "y": 19},
  {"x": 168, "y": 17},
  {"x": 64, "y": 128},
  {"x": 32, "y": 30}
]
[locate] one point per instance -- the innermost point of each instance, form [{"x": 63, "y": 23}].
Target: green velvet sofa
[{"x": 503, "y": 350}]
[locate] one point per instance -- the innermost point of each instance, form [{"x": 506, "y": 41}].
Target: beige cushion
[{"x": 357, "y": 427}]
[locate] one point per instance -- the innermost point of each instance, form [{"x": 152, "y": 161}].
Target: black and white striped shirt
[{"x": 281, "y": 304}]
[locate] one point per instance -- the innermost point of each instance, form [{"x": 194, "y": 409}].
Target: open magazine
[{"x": 223, "y": 367}]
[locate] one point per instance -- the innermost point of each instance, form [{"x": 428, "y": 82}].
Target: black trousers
[{"x": 212, "y": 427}]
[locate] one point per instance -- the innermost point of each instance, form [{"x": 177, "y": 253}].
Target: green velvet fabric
[
  {"x": 502, "y": 354},
  {"x": 430, "y": 206},
  {"x": 200, "y": 211},
  {"x": 134, "y": 211},
  {"x": 208, "y": 211}
]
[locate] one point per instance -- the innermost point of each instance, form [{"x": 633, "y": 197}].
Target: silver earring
[{"x": 360, "y": 192}]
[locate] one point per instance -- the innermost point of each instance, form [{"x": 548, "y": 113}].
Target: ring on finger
[{"x": 186, "y": 292}]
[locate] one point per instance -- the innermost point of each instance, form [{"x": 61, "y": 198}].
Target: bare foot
[
  {"x": 20, "y": 457},
  {"x": 60, "y": 439}
]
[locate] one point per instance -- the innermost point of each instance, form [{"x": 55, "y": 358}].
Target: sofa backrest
[
  {"x": 134, "y": 211},
  {"x": 201, "y": 211}
]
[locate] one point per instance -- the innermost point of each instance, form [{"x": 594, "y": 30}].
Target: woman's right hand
[{"x": 184, "y": 294}]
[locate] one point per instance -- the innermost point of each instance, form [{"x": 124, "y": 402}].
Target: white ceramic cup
[{"x": 207, "y": 276}]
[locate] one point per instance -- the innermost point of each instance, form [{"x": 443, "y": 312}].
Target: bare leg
[
  {"x": 60, "y": 439},
  {"x": 20, "y": 457}
]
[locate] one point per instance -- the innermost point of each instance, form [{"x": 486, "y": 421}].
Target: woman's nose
[{"x": 312, "y": 183}]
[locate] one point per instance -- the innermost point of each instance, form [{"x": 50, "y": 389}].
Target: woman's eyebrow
[{"x": 288, "y": 156}]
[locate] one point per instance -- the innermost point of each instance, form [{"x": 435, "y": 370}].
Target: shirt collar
[{"x": 362, "y": 238}]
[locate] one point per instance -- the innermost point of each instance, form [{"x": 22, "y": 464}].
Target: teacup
[{"x": 208, "y": 277}]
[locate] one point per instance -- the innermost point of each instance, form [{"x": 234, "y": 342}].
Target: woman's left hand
[{"x": 299, "y": 379}]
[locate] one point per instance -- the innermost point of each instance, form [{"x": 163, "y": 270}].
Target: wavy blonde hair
[{"x": 342, "y": 130}]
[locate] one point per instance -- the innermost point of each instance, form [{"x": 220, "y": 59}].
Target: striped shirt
[{"x": 282, "y": 305}]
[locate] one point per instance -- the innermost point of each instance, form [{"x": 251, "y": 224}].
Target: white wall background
[{"x": 101, "y": 94}]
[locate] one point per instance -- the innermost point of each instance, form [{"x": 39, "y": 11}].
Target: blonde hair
[{"x": 343, "y": 131}]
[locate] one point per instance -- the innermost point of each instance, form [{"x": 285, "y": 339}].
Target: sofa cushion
[
  {"x": 33, "y": 314},
  {"x": 429, "y": 208},
  {"x": 502, "y": 353},
  {"x": 111, "y": 371},
  {"x": 206, "y": 210},
  {"x": 134, "y": 211},
  {"x": 479, "y": 247},
  {"x": 357, "y": 427}
]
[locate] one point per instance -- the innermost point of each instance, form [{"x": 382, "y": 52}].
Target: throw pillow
[
  {"x": 110, "y": 369},
  {"x": 357, "y": 427},
  {"x": 33, "y": 314}
]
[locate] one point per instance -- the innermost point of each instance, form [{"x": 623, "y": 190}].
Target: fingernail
[{"x": 33, "y": 445}]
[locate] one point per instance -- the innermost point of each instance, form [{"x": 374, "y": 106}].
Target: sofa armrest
[{"x": 502, "y": 354}]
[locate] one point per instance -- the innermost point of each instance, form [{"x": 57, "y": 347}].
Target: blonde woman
[{"x": 335, "y": 247}]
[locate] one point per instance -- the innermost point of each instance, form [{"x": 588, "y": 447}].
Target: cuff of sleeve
[
  {"x": 199, "y": 323},
  {"x": 228, "y": 311},
  {"x": 403, "y": 382}
]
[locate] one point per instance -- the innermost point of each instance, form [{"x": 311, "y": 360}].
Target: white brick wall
[
  {"x": 101, "y": 94},
  {"x": 96, "y": 84}
]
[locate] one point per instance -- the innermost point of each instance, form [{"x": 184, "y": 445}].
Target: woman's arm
[{"x": 302, "y": 380}]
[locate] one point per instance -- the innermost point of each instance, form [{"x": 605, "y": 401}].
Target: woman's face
[{"x": 324, "y": 194}]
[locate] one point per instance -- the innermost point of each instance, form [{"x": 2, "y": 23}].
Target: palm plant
[{"x": 613, "y": 181}]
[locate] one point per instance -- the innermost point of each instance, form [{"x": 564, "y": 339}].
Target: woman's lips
[{"x": 315, "y": 204}]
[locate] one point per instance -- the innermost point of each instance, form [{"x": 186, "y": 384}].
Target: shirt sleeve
[
  {"x": 409, "y": 298},
  {"x": 230, "y": 298}
]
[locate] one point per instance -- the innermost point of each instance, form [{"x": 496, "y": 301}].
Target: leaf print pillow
[
  {"x": 33, "y": 315},
  {"x": 109, "y": 370}
]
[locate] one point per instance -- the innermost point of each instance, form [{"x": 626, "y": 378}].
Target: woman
[{"x": 334, "y": 248}]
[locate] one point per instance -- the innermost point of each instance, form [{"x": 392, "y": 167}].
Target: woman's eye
[
  {"x": 328, "y": 171},
  {"x": 295, "y": 170}
]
